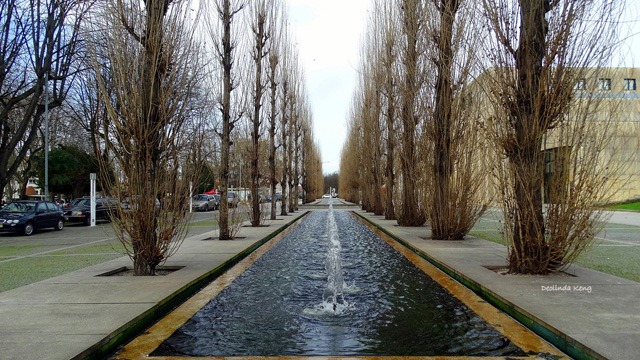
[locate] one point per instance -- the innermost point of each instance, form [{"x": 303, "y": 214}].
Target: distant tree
[
  {"x": 69, "y": 170},
  {"x": 350, "y": 179},
  {"x": 331, "y": 181},
  {"x": 37, "y": 52},
  {"x": 285, "y": 104},
  {"x": 312, "y": 179},
  {"x": 206, "y": 179}
]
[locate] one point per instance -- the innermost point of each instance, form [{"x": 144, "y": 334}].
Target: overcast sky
[{"x": 328, "y": 34}]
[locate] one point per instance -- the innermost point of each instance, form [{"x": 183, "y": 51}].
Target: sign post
[{"x": 93, "y": 199}]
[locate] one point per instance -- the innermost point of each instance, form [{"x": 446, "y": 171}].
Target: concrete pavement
[{"x": 78, "y": 314}]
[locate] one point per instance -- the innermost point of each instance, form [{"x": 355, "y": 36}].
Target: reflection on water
[{"x": 386, "y": 305}]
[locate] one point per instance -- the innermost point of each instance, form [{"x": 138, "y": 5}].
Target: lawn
[
  {"x": 622, "y": 261},
  {"x": 634, "y": 206},
  {"x": 14, "y": 274}
]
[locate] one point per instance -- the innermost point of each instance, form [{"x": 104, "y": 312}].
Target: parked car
[
  {"x": 73, "y": 202},
  {"x": 233, "y": 199},
  {"x": 326, "y": 196},
  {"x": 217, "y": 200},
  {"x": 132, "y": 203},
  {"x": 80, "y": 211},
  {"x": 27, "y": 216},
  {"x": 204, "y": 202}
]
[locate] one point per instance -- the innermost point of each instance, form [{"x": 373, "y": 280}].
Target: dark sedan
[
  {"x": 27, "y": 216},
  {"x": 81, "y": 211}
]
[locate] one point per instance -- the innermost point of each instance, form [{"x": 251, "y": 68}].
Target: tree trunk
[
  {"x": 444, "y": 224},
  {"x": 411, "y": 214},
  {"x": 285, "y": 151},
  {"x": 529, "y": 253},
  {"x": 389, "y": 210},
  {"x": 256, "y": 216},
  {"x": 273, "y": 63},
  {"x": 227, "y": 64}
]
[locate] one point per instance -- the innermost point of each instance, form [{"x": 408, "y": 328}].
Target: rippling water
[{"x": 388, "y": 307}]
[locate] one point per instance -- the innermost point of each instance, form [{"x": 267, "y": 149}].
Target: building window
[
  {"x": 630, "y": 84},
  {"x": 581, "y": 84},
  {"x": 604, "y": 84}
]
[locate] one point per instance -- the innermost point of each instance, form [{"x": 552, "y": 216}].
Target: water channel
[{"x": 333, "y": 287}]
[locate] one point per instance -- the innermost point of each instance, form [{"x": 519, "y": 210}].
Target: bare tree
[
  {"x": 350, "y": 157},
  {"x": 291, "y": 139},
  {"x": 389, "y": 89},
  {"x": 154, "y": 65},
  {"x": 274, "y": 76},
  {"x": 273, "y": 88},
  {"x": 541, "y": 50},
  {"x": 220, "y": 33},
  {"x": 261, "y": 23},
  {"x": 37, "y": 50},
  {"x": 452, "y": 132},
  {"x": 284, "y": 122},
  {"x": 312, "y": 182},
  {"x": 412, "y": 17}
]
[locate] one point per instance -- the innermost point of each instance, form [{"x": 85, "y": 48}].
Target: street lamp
[{"x": 46, "y": 135}]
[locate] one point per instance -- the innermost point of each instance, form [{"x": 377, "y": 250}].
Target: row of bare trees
[
  {"x": 166, "y": 94},
  {"x": 456, "y": 103},
  {"x": 221, "y": 69}
]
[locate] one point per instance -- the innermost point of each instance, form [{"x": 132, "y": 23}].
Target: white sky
[{"x": 328, "y": 34}]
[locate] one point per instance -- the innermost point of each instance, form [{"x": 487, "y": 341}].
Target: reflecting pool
[{"x": 333, "y": 287}]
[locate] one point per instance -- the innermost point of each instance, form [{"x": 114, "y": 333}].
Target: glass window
[
  {"x": 630, "y": 84},
  {"x": 604, "y": 84},
  {"x": 581, "y": 84}
]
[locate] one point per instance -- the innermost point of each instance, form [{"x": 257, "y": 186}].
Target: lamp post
[{"x": 46, "y": 135}]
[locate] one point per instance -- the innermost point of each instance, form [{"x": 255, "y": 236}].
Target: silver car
[{"x": 204, "y": 202}]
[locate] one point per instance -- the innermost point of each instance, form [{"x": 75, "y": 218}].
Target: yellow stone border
[{"x": 140, "y": 347}]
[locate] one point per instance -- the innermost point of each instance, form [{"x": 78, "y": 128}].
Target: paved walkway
[{"x": 65, "y": 316}]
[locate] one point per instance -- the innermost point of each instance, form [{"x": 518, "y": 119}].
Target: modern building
[{"x": 609, "y": 100}]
